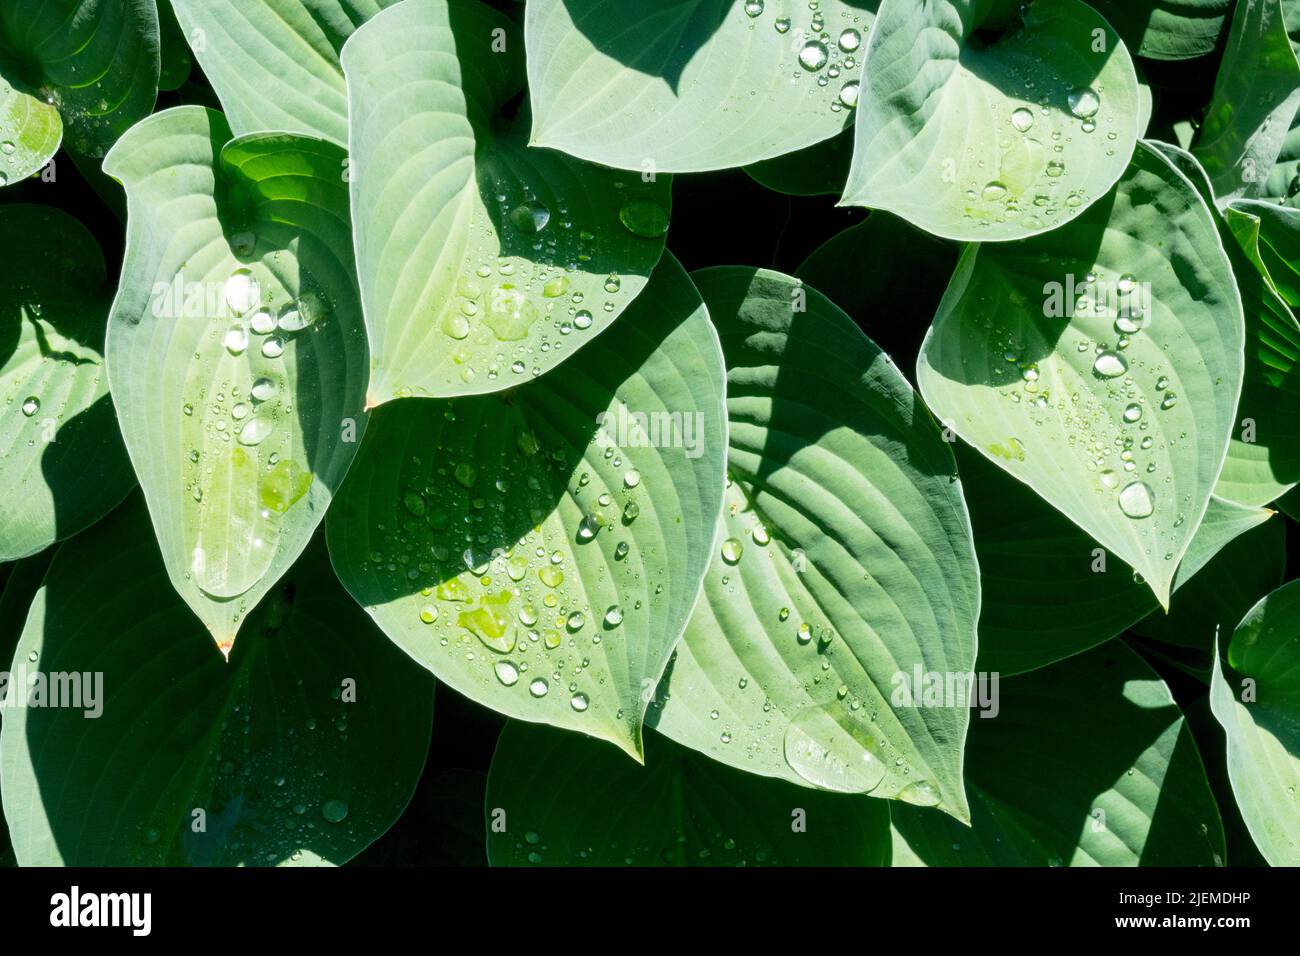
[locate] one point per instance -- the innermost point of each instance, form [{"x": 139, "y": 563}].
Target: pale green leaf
[
  {"x": 483, "y": 262},
  {"x": 301, "y": 750},
  {"x": 1255, "y": 694},
  {"x": 987, "y": 140},
  {"x": 1029, "y": 360},
  {"x": 846, "y": 561},
  {"x": 1255, "y": 101},
  {"x": 566, "y": 802},
  {"x": 62, "y": 464},
  {"x": 30, "y": 133},
  {"x": 540, "y": 550},
  {"x": 1086, "y": 763},
  {"x": 275, "y": 63},
  {"x": 691, "y": 85},
  {"x": 236, "y": 350}
]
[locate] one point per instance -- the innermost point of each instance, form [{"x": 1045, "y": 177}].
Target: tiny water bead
[
  {"x": 1137, "y": 500},
  {"x": 732, "y": 549},
  {"x": 31, "y": 405},
  {"x": 754, "y": 8},
  {"x": 1022, "y": 119}
]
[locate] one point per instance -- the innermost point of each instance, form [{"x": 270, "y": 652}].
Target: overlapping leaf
[
  {"x": 540, "y": 550},
  {"x": 1086, "y": 763},
  {"x": 483, "y": 262},
  {"x": 62, "y": 463},
  {"x": 139, "y": 746},
  {"x": 846, "y": 562},
  {"x": 1168, "y": 29},
  {"x": 690, "y": 85},
  {"x": 1255, "y": 694},
  {"x": 1101, "y": 363},
  {"x": 236, "y": 350},
  {"x": 1255, "y": 101},
  {"x": 980, "y": 139},
  {"x": 275, "y": 63},
  {"x": 96, "y": 61},
  {"x": 30, "y": 133},
  {"x": 554, "y": 801}
]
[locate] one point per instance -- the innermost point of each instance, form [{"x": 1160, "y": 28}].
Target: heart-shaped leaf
[
  {"x": 690, "y": 85},
  {"x": 275, "y": 63},
  {"x": 1044, "y": 792},
  {"x": 548, "y": 805},
  {"x": 30, "y": 133},
  {"x": 540, "y": 550},
  {"x": 96, "y": 61},
  {"x": 1255, "y": 101},
  {"x": 139, "y": 746},
  {"x": 1255, "y": 694},
  {"x": 1049, "y": 591},
  {"x": 1101, "y": 363},
  {"x": 972, "y": 138},
  {"x": 236, "y": 349},
  {"x": 1168, "y": 29},
  {"x": 482, "y": 262},
  {"x": 62, "y": 462},
  {"x": 847, "y": 561}
]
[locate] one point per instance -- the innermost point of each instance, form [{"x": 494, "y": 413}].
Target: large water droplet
[
  {"x": 1022, "y": 119},
  {"x": 255, "y": 431},
  {"x": 646, "y": 219},
  {"x": 531, "y": 216},
  {"x": 242, "y": 291},
  {"x": 1084, "y": 102},
  {"x": 31, "y": 405},
  {"x": 833, "y": 750},
  {"x": 1137, "y": 500},
  {"x": 507, "y": 673},
  {"x": 813, "y": 56},
  {"x": 334, "y": 811},
  {"x": 1110, "y": 365}
]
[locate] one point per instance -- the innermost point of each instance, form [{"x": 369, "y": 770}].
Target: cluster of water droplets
[
  {"x": 497, "y": 577},
  {"x": 536, "y": 278},
  {"x": 829, "y": 54}
]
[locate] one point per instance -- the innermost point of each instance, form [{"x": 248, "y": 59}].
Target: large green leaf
[
  {"x": 275, "y": 63},
  {"x": 62, "y": 463},
  {"x": 847, "y": 561},
  {"x": 540, "y": 550},
  {"x": 1049, "y": 591},
  {"x": 1168, "y": 29},
  {"x": 96, "y": 61},
  {"x": 1255, "y": 101},
  {"x": 483, "y": 262},
  {"x": 1087, "y": 763},
  {"x": 691, "y": 85},
  {"x": 236, "y": 349},
  {"x": 1269, "y": 235},
  {"x": 980, "y": 139},
  {"x": 1255, "y": 694},
  {"x": 1101, "y": 363},
  {"x": 556, "y": 800},
  {"x": 30, "y": 133},
  {"x": 302, "y": 749}
]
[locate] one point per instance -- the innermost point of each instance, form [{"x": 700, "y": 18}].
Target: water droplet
[
  {"x": 31, "y": 405},
  {"x": 236, "y": 340},
  {"x": 334, "y": 811},
  {"x": 1084, "y": 102},
  {"x": 1137, "y": 500},
  {"x": 1022, "y": 119},
  {"x": 242, "y": 291},
  {"x": 782, "y": 25},
  {"x": 530, "y": 217},
  {"x": 263, "y": 390},
  {"x": 273, "y": 347},
  {"x": 813, "y": 56},
  {"x": 849, "y": 94},
  {"x": 850, "y": 40},
  {"x": 467, "y": 474},
  {"x": 262, "y": 322},
  {"x": 539, "y": 687},
  {"x": 1169, "y": 401},
  {"x": 255, "y": 431},
  {"x": 993, "y": 191},
  {"x": 7, "y": 148},
  {"x": 732, "y": 549},
  {"x": 582, "y": 320},
  {"x": 1133, "y": 412},
  {"x": 1109, "y": 365},
  {"x": 429, "y": 613},
  {"x": 614, "y": 616},
  {"x": 645, "y": 219},
  {"x": 507, "y": 673},
  {"x": 579, "y": 702},
  {"x": 754, "y": 8},
  {"x": 575, "y": 621},
  {"x": 833, "y": 751}
]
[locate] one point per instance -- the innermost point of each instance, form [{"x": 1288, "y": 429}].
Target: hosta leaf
[
  {"x": 275, "y": 63},
  {"x": 301, "y": 750},
  {"x": 1087, "y": 763},
  {"x": 1269, "y": 235},
  {"x": 1058, "y": 358},
  {"x": 1168, "y": 29},
  {"x": 540, "y": 550},
  {"x": 62, "y": 464},
  {"x": 175, "y": 58},
  {"x": 1001, "y": 139},
  {"x": 1049, "y": 591},
  {"x": 551, "y": 792},
  {"x": 97, "y": 61},
  {"x": 1255, "y": 694},
  {"x": 847, "y": 560},
  {"x": 30, "y": 133},
  {"x": 236, "y": 350},
  {"x": 482, "y": 262},
  {"x": 692, "y": 85},
  {"x": 1255, "y": 101}
]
